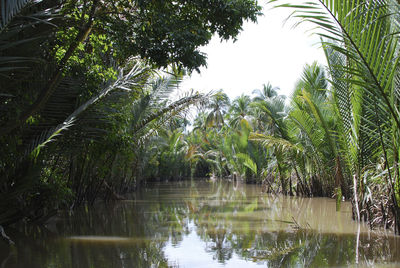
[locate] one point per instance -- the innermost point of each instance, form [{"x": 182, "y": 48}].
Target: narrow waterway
[{"x": 203, "y": 224}]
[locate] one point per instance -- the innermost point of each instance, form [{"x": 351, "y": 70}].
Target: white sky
[{"x": 268, "y": 51}]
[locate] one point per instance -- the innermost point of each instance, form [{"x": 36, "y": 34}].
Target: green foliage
[
  {"x": 218, "y": 103},
  {"x": 10, "y": 10},
  {"x": 360, "y": 41},
  {"x": 167, "y": 32},
  {"x": 248, "y": 162},
  {"x": 81, "y": 96}
]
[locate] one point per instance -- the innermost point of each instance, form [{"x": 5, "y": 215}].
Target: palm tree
[
  {"x": 218, "y": 103},
  {"x": 308, "y": 128},
  {"x": 239, "y": 110},
  {"x": 268, "y": 96},
  {"x": 313, "y": 80},
  {"x": 319, "y": 138},
  {"x": 360, "y": 38},
  {"x": 267, "y": 92}
]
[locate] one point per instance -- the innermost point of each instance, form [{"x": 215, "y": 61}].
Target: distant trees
[{"x": 339, "y": 135}]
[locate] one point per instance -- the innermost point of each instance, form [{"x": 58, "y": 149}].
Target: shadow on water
[{"x": 202, "y": 224}]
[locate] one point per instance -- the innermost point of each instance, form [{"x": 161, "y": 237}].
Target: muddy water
[{"x": 203, "y": 224}]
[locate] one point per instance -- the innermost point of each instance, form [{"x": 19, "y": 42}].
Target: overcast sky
[{"x": 268, "y": 51}]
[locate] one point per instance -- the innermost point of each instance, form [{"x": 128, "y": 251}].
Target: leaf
[{"x": 247, "y": 162}]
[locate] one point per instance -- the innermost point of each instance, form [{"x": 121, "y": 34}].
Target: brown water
[{"x": 203, "y": 224}]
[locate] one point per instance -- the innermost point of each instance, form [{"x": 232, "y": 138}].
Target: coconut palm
[
  {"x": 239, "y": 110},
  {"x": 218, "y": 103},
  {"x": 267, "y": 92}
]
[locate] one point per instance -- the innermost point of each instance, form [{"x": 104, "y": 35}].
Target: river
[{"x": 201, "y": 223}]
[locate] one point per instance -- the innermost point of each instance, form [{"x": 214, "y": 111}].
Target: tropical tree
[
  {"x": 269, "y": 114},
  {"x": 312, "y": 104},
  {"x": 218, "y": 104},
  {"x": 360, "y": 38},
  {"x": 267, "y": 92},
  {"x": 239, "y": 110},
  {"x": 68, "y": 67}
]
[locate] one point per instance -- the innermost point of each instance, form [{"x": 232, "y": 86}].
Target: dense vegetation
[
  {"x": 339, "y": 134},
  {"x": 86, "y": 114},
  {"x": 83, "y": 97}
]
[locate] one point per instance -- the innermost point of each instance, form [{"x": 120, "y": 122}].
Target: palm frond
[
  {"x": 280, "y": 143},
  {"x": 46, "y": 137},
  {"x": 247, "y": 162},
  {"x": 275, "y": 109},
  {"x": 321, "y": 120},
  {"x": 10, "y": 8},
  {"x": 153, "y": 121},
  {"x": 126, "y": 81},
  {"x": 312, "y": 137},
  {"x": 366, "y": 35}
]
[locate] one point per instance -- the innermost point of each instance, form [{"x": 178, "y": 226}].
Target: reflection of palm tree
[{"x": 222, "y": 248}]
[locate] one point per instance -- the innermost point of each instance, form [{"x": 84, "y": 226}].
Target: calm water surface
[{"x": 203, "y": 224}]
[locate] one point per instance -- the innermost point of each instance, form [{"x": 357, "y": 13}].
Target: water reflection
[{"x": 202, "y": 224}]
